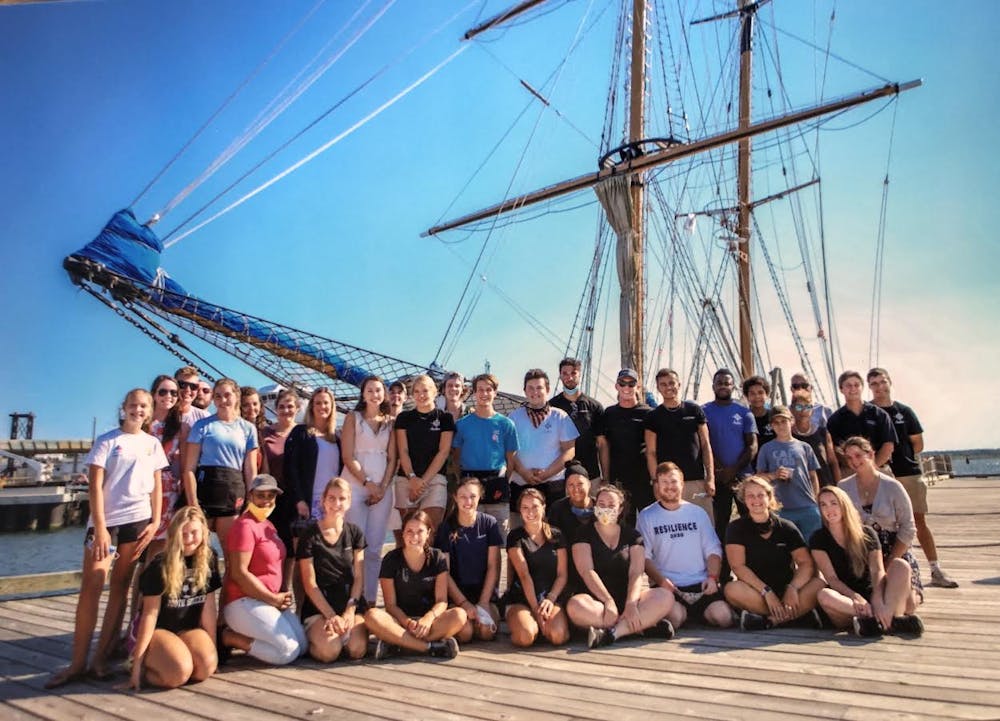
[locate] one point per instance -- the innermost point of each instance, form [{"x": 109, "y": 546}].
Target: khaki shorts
[
  {"x": 435, "y": 495},
  {"x": 694, "y": 492},
  {"x": 916, "y": 489}
]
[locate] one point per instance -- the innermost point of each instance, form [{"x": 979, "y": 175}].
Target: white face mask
[{"x": 607, "y": 516}]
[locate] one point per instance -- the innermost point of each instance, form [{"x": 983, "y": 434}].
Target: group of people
[{"x": 585, "y": 500}]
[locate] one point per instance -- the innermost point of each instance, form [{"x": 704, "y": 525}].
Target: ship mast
[
  {"x": 633, "y": 294},
  {"x": 748, "y": 12}
]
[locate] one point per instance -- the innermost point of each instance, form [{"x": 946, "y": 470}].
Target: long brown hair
[
  {"x": 850, "y": 524},
  {"x": 537, "y": 495},
  {"x": 172, "y": 423}
]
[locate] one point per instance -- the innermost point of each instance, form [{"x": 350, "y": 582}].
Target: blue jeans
[{"x": 807, "y": 519}]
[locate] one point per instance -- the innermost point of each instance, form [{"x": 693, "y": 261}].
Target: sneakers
[
  {"x": 940, "y": 579},
  {"x": 663, "y": 629},
  {"x": 909, "y": 624},
  {"x": 446, "y": 648},
  {"x": 750, "y": 621},
  {"x": 814, "y": 619},
  {"x": 867, "y": 627},
  {"x": 597, "y": 637},
  {"x": 384, "y": 650}
]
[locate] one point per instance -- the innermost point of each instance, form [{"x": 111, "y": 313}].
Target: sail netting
[{"x": 122, "y": 267}]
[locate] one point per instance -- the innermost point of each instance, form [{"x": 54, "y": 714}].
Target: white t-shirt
[
  {"x": 129, "y": 461},
  {"x": 193, "y": 415},
  {"x": 679, "y": 542},
  {"x": 538, "y": 447},
  {"x": 327, "y": 466}
]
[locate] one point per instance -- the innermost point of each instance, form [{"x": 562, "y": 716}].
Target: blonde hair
[
  {"x": 146, "y": 424},
  {"x": 174, "y": 568},
  {"x": 337, "y": 482},
  {"x": 772, "y": 503},
  {"x": 330, "y": 432},
  {"x": 850, "y": 524}
]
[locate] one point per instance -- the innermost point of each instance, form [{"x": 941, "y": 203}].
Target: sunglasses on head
[
  {"x": 800, "y": 386},
  {"x": 187, "y": 386},
  {"x": 166, "y": 392}
]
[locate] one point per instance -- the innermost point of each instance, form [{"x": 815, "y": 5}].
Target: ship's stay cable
[
  {"x": 276, "y": 106},
  {"x": 876, "y": 321},
  {"x": 826, "y": 51},
  {"x": 323, "y": 148},
  {"x": 225, "y": 103}
]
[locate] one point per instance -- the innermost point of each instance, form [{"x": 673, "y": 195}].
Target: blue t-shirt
[
  {"x": 223, "y": 443},
  {"x": 484, "y": 442},
  {"x": 797, "y": 455},
  {"x": 468, "y": 549},
  {"x": 727, "y": 425}
]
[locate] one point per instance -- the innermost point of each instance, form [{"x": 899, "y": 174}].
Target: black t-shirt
[
  {"x": 542, "y": 561},
  {"x": 611, "y": 564},
  {"x": 764, "y": 431},
  {"x": 333, "y": 564},
  {"x": 468, "y": 549},
  {"x": 585, "y": 413},
  {"x": 561, "y": 515},
  {"x": 817, "y": 441},
  {"x": 625, "y": 432},
  {"x": 770, "y": 558},
  {"x": 423, "y": 435},
  {"x": 414, "y": 589},
  {"x": 677, "y": 437},
  {"x": 822, "y": 540},
  {"x": 872, "y": 423},
  {"x": 184, "y": 612},
  {"x": 904, "y": 461}
]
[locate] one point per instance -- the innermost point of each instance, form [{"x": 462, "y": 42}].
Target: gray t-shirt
[{"x": 797, "y": 492}]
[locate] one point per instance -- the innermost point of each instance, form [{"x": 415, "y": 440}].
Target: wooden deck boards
[{"x": 952, "y": 672}]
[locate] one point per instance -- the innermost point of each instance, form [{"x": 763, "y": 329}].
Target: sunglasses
[
  {"x": 166, "y": 392},
  {"x": 627, "y": 384},
  {"x": 801, "y": 407},
  {"x": 801, "y": 386},
  {"x": 186, "y": 386}
]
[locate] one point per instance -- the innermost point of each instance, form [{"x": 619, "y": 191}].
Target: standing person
[
  {"x": 545, "y": 439},
  {"x": 171, "y": 431},
  {"x": 791, "y": 466},
  {"x": 219, "y": 461},
  {"x": 188, "y": 391},
  {"x": 537, "y": 587},
  {"x": 584, "y": 411},
  {"x": 258, "y": 614},
  {"x": 175, "y": 637},
  {"x": 683, "y": 554},
  {"x": 331, "y": 562},
  {"x": 882, "y": 503},
  {"x": 861, "y": 593},
  {"x": 804, "y": 428},
  {"x": 484, "y": 446},
  {"x": 905, "y": 465},
  {"x": 732, "y": 433},
  {"x": 621, "y": 443},
  {"x": 860, "y": 418},
  {"x": 820, "y": 413},
  {"x": 776, "y": 580},
  {"x": 471, "y": 543},
  {"x": 272, "y": 442},
  {"x": 453, "y": 395},
  {"x": 312, "y": 454},
  {"x": 756, "y": 392},
  {"x": 252, "y": 411},
  {"x": 423, "y": 442},
  {"x": 368, "y": 447},
  {"x": 414, "y": 581},
  {"x": 124, "y": 467},
  {"x": 203, "y": 399},
  {"x": 677, "y": 431},
  {"x": 609, "y": 558},
  {"x": 397, "y": 398}
]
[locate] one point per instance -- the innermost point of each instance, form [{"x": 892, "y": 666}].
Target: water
[
  {"x": 42, "y": 551},
  {"x": 962, "y": 466}
]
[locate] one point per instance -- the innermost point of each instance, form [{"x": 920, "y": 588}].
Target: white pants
[
  {"x": 278, "y": 636},
  {"x": 374, "y": 524}
]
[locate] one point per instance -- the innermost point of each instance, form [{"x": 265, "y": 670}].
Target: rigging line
[
  {"x": 876, "y": 319},
  {"x": 225, "y": 103},
  {"x": 173, "y": 337},
  {"x": 323, "y": 148},
  {"x": 831, "y": 54},
  {"x": 275, "y": 107}
]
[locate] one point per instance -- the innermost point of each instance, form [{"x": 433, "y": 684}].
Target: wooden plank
[{"x": 37, "y": 583}]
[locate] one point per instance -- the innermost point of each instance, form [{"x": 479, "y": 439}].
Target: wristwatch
[
  {"x": 764, "y": 591},
  {"x": 411, "y": 475}
]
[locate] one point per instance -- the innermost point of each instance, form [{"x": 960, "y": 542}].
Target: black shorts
[
  {"x": 125, "y": 533},
  {"x": 698, "y": 607},
  {"x": 221, "y": 491}
]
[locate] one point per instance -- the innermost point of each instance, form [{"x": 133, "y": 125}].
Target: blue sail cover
[{"x": 127, "y": 248}]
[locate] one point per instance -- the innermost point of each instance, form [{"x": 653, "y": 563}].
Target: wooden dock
[{"x": 952, "y": 672}]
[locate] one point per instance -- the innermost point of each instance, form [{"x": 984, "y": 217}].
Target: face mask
[
  {"x": 572, "y": 391},
  {"x": 259, "y": 512},
  {"x": 607, "y": 516}
]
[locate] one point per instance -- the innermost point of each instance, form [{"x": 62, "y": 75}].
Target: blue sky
[{"x": 98, "y": 96}]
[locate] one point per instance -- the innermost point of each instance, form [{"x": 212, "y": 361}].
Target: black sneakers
[
  {"x": 750, "y": 621},
  {"x": 909, "y": 624},
  {"x": 446, "y": 648},
  {"x": 867, "y": 627},
  {"x": 662, "y": 629},
  {"x": 597, "y": 637},
  {"x": 384, "y": 650}
]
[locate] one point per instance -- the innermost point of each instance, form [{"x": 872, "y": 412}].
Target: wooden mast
[
  {"x": 636, "y": 295},
  {"x": 743, "y": 178}
]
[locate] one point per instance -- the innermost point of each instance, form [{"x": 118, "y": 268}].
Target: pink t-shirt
[{"x": 260, "y": 539}]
